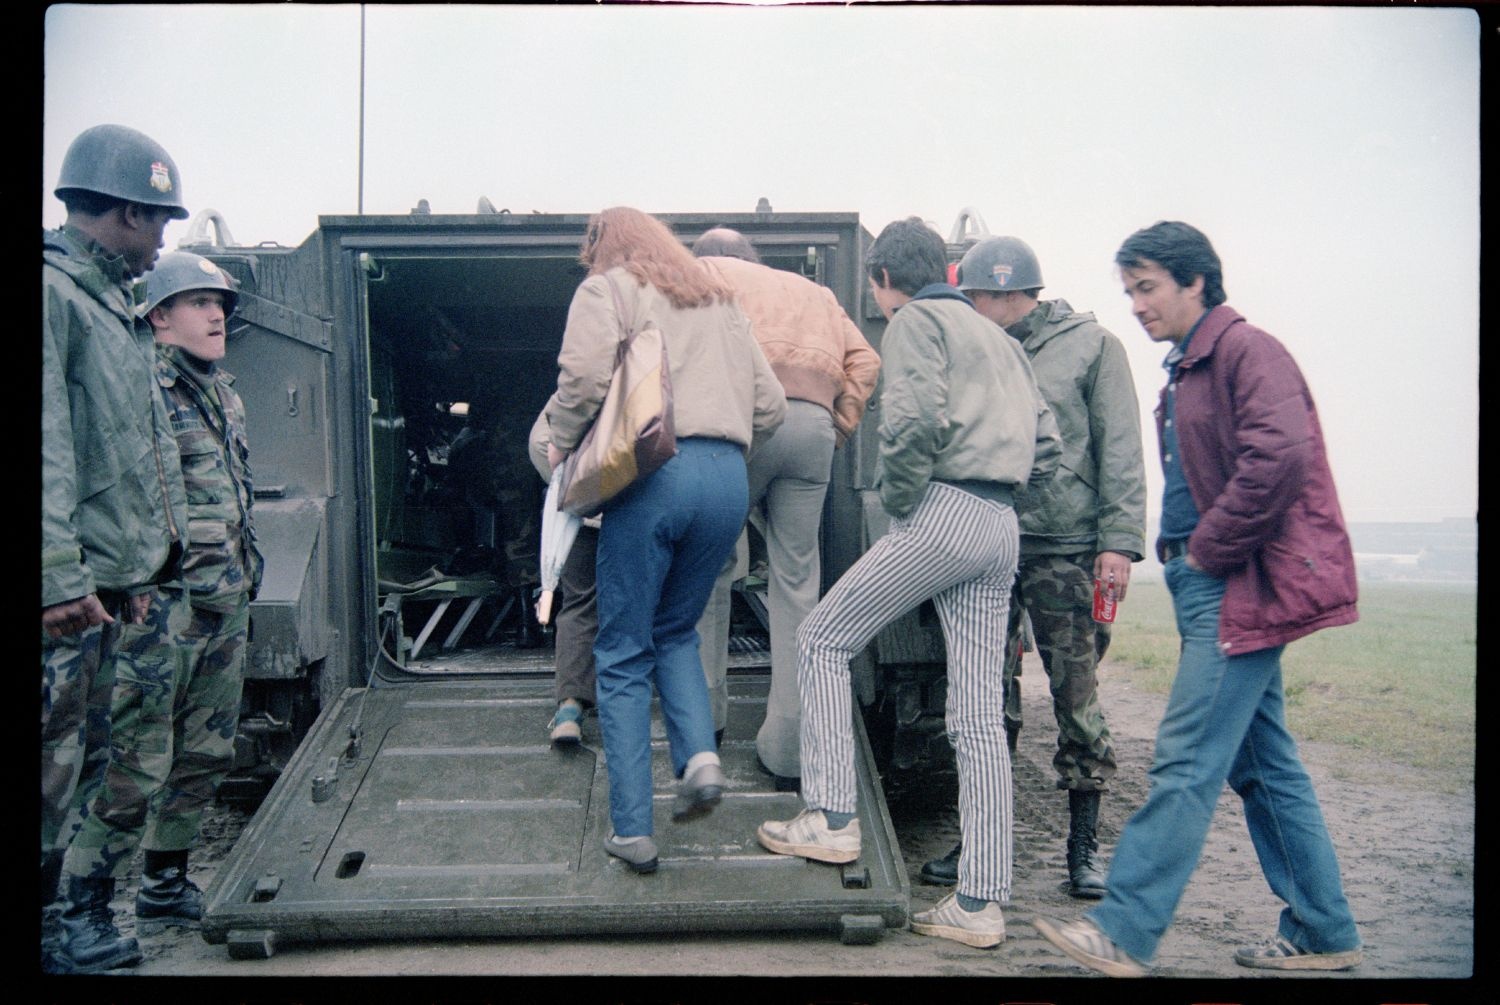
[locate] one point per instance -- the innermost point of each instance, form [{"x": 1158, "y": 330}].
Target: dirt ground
[{"x": 1406, "y": 848}]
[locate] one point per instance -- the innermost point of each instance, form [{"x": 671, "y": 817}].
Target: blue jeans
[
  {"x": 1225, "y": 721},
  {"x": 661, "y": 544}
]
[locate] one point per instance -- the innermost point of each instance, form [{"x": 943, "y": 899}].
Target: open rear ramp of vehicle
[{"x": 440, "y": 809}]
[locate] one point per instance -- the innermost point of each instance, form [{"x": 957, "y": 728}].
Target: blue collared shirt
[{"x": 1179, "y": 514}]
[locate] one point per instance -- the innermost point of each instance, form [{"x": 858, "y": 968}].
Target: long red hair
[{"x": 652, "y": 254}]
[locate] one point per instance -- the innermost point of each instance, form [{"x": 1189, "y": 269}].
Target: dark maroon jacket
[{"x": 1269, "y": 520}]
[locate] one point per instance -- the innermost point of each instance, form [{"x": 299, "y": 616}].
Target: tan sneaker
[
  {"x": 1278, "y": 954},
  {"x": 982, "y": 929},
  {"x": 1084, "y": 943},
  {"x": 808, "y": 835}
]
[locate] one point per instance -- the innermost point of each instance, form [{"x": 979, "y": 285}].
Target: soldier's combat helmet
[
  {"x": 1000, "y": 264},
  {"x": 178, "y": 271},
  {"x": 124, "y": 163}
]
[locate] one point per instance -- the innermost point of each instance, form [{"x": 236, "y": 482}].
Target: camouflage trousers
[
  {"x": 173, "y": 714},
  {"x": 78, "y": 677},
  {"x": 1057, "y": 591}
]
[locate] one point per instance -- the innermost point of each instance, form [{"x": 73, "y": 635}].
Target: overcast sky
[{"x": 1331, "y": 154}]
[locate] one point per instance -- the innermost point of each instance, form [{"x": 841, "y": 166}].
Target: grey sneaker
[
  {"x": 698, "y": 792},
  {"x": 808, "y": 835},
  {"x": 639, "y": 855},
  {"x": 1278, "y": 954},
  {"x": 983, "y": 929},
  {"x": 1083, "y": 942}
]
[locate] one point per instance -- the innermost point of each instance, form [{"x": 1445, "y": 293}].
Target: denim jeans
[
  {"x": 1225, "y": 721},
  {"x": 661, "y": 543}
]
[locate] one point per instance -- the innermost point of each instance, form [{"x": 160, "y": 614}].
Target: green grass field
[{"x": 1399, "y": 683}]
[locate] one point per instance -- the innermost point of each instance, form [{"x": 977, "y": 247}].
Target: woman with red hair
[{"x": 663, "y": 540}]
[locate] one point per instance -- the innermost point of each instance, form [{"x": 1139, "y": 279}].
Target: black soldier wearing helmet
[
  {"x": 114, "y": 510},
  {"x": 121, "y": 187}
]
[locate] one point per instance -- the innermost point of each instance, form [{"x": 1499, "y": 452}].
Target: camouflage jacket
[
  {"x": 1097, "y": 499},
  {"x": 222, "y": 562},
  {"x": 112, "y": 498}
]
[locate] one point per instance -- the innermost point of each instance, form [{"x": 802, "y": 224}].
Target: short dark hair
[
  {"x": 89, "y": 203},
  {"x": 725, "y": 243},
  {"x": 911, "y": 253},
  {"x": 1181, "y": 249}
]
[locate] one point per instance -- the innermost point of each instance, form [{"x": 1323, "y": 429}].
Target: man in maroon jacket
[{"x": 1256, "y": 555}]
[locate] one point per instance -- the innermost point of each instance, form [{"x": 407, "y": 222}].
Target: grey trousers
[
  {"x": 577, "y": 621},
  {"x": 788, "y": 475},
  {"x": 960, "y": 551}
]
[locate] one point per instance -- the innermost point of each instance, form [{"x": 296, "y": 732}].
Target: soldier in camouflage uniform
[
  {"x": 113, "y": 509},
  {"x": 176, "y": 703},
  {"x": 1088, "y": 524}
]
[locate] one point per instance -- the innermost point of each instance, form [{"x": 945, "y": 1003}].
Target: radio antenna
[{"x": 361, "y": 196}]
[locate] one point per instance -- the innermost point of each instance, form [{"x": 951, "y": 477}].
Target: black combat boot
[
  {"x": 51, "y": 873},
  {"x": 943, "y": 871},
  {"x": 167, "y": 896},
  {"x": 1083, "y": 817},
  {"x": 90, "y": 942},
  {"x": 1012, "y": 734},
  {"x": 51, "y": 911}
]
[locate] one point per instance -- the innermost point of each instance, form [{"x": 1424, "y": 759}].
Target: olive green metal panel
[
  {"x": 440, "y": 810},
  {"x": 291, "y": 630}
]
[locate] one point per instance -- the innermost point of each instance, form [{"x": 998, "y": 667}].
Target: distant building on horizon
[{"x": 1439, "y": 551}]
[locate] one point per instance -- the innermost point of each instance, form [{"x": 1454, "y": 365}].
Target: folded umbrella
[{"x": 559, "y": 528}]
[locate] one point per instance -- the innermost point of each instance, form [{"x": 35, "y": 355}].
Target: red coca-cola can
[{"x": 1105, "y": 602}]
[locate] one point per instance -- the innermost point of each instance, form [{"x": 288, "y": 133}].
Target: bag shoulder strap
[{"x": 614, "y": 291}]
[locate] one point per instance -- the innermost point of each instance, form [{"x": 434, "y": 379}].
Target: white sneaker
[
  {"x": 982, "y": 929},
  {"x": 1084, "y": 942},
  {"x": 808, "y": 835},
  {"x": 1277, "y": 953}
]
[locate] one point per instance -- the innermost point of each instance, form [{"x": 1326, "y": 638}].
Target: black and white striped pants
[{"x": 960, "y": 551}]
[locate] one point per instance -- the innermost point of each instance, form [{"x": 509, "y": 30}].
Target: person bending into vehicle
[
  {"x": 962, "y": 429},
  {"x": 575, "y": 620},
  {"x": 828, "y": 371},
  {"x": 1256, "y": 556}
]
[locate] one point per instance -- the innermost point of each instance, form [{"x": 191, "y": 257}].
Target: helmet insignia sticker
[
  {"x": 161, "y": 179},
  {"x": 207, "y": 268},
  {"x": 1002, "y": 274}
]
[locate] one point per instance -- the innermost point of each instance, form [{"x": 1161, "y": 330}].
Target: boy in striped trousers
[{"x": 963, "y": 428}]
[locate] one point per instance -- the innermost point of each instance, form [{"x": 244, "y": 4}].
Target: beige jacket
[
  {"x": 816, "y": 351},
  {"x": 722, "y": 386}
]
